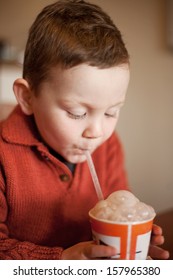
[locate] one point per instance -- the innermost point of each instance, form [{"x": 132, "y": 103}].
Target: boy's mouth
[{"x": 82, "y": 150}]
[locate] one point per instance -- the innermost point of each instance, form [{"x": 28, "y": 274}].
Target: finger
[
  {"x": 99, "y": 251},
  {"x": 157, "y": 240},
  {"x": 156, "y": 230},
  {"x": 158, "y": 253}
]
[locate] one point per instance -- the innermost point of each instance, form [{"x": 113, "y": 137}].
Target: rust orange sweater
[{"x": 43, "y": 206}]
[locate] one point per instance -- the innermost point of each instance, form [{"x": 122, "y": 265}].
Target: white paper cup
[{"x": 131, "y": 239}]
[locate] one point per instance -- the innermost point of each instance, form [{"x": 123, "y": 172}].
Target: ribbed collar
[{"x": 20, "y": 129}]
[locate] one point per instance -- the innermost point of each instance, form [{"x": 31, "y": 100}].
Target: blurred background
[{"x": 146, "y": 121}]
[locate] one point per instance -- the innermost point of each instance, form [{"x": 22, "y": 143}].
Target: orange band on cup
[
  {"x": 122, "y": 231},
  {"x": 112, "y": 230},
  {"x": 138, "y": 230}
]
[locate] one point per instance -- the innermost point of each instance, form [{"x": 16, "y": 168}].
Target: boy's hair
[{"x": 69, "y": 33}]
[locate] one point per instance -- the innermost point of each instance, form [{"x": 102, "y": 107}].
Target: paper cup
[{"x": 130, "y": 239}]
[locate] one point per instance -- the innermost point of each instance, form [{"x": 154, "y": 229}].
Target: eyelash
[
  {"x": 76, "y": 117},
  {"x": 110, "y": 116},
  {"x": 80, "y": 117},
  {"x": 113, "y": 115}
]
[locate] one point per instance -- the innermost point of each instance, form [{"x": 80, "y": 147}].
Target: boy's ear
[{"x": 23, "y": 95}]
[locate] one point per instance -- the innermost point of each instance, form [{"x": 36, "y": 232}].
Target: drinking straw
[{"x": 94, "y": 176}]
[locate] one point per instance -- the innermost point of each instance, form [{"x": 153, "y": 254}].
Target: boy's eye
[
  {"x": 112, "y": 115},
  {"x": 76, "y": 116}
]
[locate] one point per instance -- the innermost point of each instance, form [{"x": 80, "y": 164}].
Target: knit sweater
[{"x": 43, "y": 206}]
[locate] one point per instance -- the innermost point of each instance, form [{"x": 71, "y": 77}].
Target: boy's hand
[
  {"x": 88, "y": 251},
  {"x": 157, "y": 239}
]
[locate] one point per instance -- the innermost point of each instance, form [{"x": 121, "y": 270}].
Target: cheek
[
  {"x": 66, "y": 130},
  {"x": 109, "y": 127}
]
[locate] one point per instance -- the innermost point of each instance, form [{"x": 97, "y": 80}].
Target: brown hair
[{"x": 68, "y": 33}]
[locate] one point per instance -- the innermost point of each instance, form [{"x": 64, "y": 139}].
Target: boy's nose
[{"x": 94, "y": 130}]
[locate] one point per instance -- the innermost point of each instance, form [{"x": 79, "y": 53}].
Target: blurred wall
[{"x": 145, "y": 125}]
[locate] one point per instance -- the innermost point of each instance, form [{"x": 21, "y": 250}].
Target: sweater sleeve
[{"x": 12, "y": 249}]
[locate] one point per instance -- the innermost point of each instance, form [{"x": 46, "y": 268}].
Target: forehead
[{"x": 88, "y": 83}]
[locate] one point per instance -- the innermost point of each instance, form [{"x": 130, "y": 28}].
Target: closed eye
[
  {"x": 114, "y": 115},
  {"x": 76, "y": 116}
]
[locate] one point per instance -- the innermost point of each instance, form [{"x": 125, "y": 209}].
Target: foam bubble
[{"x": 123, "y": 206}]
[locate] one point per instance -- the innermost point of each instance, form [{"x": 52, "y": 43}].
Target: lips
[
  {"x": 81, "y": 151},
  {"x": 83, "y": 147},
  {"x": 86, "y": 149}
]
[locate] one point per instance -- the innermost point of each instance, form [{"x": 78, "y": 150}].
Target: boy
[{"x": 75, "y": 77}]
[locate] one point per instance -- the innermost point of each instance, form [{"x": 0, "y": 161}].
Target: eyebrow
[{"x": 119, "y": 104}]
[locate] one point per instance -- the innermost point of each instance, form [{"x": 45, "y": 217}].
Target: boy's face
[{"x": 77, "y": 109}]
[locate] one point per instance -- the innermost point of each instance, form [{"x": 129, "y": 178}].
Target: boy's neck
[{"x": 70, "y": 165}]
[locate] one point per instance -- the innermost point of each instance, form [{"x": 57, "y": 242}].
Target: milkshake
[{"x": 124, "y": 222}]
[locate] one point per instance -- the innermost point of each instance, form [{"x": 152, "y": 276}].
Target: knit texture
[{"x": 40, "y": 213}]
